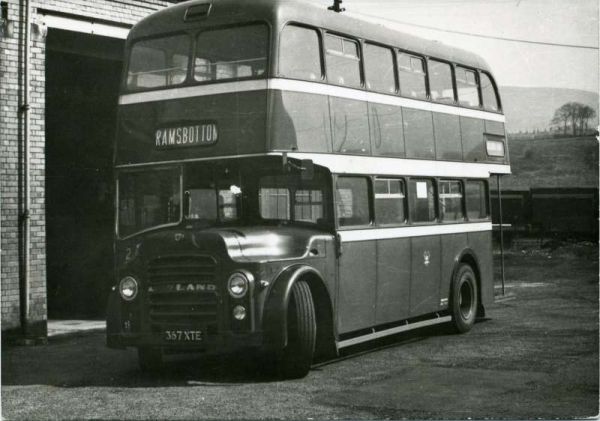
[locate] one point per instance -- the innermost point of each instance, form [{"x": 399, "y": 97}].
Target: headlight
[
  {"x": 128, "y": 287},
  {"x": 237, "y": 285}
]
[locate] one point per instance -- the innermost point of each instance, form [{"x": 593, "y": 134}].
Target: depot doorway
[{"x": 82, "y": 80}]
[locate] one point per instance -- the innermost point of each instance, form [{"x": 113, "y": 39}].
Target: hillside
[
  {"x": 569, "y": 162},
  {"x": 533, "y": 108}
]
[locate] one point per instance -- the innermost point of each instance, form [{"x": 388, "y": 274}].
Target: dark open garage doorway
[{"x": 82, "y": 79}]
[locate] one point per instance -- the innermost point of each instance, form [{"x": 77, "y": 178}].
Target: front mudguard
[{"x": 275, "y": 310}]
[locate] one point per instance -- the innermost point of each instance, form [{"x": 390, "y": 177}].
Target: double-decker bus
[{"x": 297, "y": 181}]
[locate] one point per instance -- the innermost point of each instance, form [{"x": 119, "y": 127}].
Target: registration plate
[{"x": 183, "y": 335}]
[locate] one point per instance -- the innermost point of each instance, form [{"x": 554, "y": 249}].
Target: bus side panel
[
  {"x": 452, "y": 246},
  {"x": 425, "y": 279},
  {"x": 300, "y": 121},
  {"x": 240, "y": 120},
  {"x": 356, "y": 286},
  {"x": 393, "y": 280},
  {"x": 481, "y": 242}
]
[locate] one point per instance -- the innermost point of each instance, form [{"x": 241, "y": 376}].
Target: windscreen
[
  {"x": 210, "y": 195},
  {"x": 148, "y": 199}
]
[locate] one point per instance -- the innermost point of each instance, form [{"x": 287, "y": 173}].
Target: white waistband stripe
[
  {"x": 411, "y": 231},
  {"x": 371, "y": 165},
  {"x": 305, "y": 87}
]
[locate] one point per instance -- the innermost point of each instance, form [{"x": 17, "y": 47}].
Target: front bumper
[{"x": 221, "y": 343}]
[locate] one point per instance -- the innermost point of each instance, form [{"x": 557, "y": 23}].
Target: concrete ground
[{"x": 535, "y": 356}]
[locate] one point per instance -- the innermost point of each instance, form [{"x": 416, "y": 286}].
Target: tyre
[
  {"x": 150, "y": 359},
  {"x": 464, "y": 299},
  {"x": 296, "y": 357}
]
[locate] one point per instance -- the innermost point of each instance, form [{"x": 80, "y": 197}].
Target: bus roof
[{"x": 279, "y": 12}]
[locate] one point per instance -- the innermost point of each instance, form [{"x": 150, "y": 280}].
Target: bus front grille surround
[{"x": 182, "y": 292}]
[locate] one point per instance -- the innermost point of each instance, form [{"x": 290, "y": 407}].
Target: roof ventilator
[{"x": 197, "y": 12}]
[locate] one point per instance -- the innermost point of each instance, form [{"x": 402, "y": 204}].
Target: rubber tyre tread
[
  {"x": 464, "y": 273},
  {"x": 297, "y": 356},
  {"x": 150, "y": 359}
]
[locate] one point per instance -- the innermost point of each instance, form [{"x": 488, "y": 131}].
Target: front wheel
[
  {"x": 297, "y": 356},
  {"x": 464, "y": 299}
]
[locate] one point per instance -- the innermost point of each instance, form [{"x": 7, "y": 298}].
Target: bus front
[{"x": 206, "y": 218}]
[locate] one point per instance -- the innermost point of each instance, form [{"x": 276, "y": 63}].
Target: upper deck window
[
  {"x": 158, "y": 62},
  {"x": 231, "y": 53},
  {"x": 379, "y": 68},
  {"x": 490, "y": 101},
  {"x": 440, "y": 81},
  {"x": 343, "y": 61},
  {"x": 411, "y": 71},
  {"x": 466, "y": 85},
  {"x": 299, "y": 53}
]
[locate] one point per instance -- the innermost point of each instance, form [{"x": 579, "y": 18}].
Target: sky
[{"x": 525, "y": 64}]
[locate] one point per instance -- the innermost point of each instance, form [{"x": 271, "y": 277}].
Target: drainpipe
[{"x": 25, "y": 217}]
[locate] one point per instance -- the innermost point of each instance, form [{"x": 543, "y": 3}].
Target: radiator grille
[{"x": 182, "y": 291}]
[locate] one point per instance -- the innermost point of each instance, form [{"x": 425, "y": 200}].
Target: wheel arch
[{"x": 468, "y": 256}]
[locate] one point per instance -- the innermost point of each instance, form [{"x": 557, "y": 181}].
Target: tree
[
  {"x": 585, "y": 113},
  {"x": 575, "y": 115}
]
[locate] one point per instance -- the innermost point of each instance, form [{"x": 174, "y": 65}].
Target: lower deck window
[
  {"x": 422, "y": 200},
  {"x": 352, "y": 201},
  {"x": 476, "y": 198},
  {"x": 389, "y": 201},
  {"x": 450, "y": 194}
]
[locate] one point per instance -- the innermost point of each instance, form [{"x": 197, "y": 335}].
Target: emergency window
[
  {"x": 411, "y": 71},
  {"x": 440, "y": 81},
  {"x": 342, "y": 60},
  {"x": 421, "y": 198},
  {"x": 352, "y": 201},
  {"x": 389, "y": 201},
  {"x": 490, "y": 101},
  {"x": 299, "y": 53},
  {"x": 450, "y": 200}
]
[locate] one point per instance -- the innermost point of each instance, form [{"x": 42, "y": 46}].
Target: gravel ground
[{"x": 535, "y": 356}]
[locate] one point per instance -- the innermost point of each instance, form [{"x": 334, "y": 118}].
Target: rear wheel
[
  {"x": 297, "y": 356},
  {"x": 150, "y": 359},
  {"x": 464, "y": 299}
]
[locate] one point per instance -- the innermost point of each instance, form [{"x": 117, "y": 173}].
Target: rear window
[
  {"x": 231, "y": 53},
  {"x": 490, "y": 101},
  {"x": 158, "y": 62}
]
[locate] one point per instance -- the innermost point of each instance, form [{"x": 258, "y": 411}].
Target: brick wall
[{"x": 11, "y": 145}]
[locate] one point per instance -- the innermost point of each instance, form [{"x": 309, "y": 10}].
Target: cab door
[{"x": 357, "y": 260}]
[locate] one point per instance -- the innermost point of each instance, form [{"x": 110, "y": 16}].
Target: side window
[
  {"x": 477, "y": 200},
  {"x": 308, "y": 205},
  {"x": 450, "y": 195},
  {"x": 274, "y": 203},
  {"x": 411, "y": 71},
  {"x": 490, "y": 101},
  {"x": 342, "y": 60},
  {"x": 299, "y": 53},
  {"x": 440, "y": 81},
  {"x": 379, "y": 68},
  {"x": 352, "y": 201},
  {"x": 389, "y": 201},
  {"x": 466, "y": 85},
  {"x": 421, "y": 199}
]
